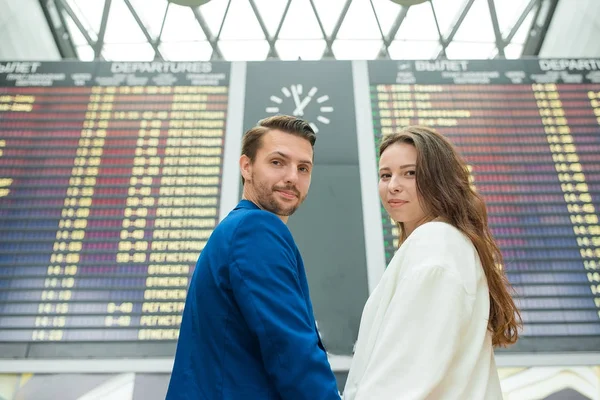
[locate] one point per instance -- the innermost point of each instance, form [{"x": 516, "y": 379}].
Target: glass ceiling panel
[
  {"x": 523, "y": 32},
  {"x": 477, "y": 26},
  {"x": 513, "y": 50},
  {"x": 213, "y": 13},
  {"x": 85, "y": 52},
  {"x": 469, "y": 50},
  {"x": 300, "y": 22},
  {"x": 241, "y": 36},
  {"x": 181, "y": 26},
  {"x": 89, "y": 13},
  {"x": 151, "y": 12},
  {"x": 241, "y": 22},
  {"x": 76, "y": 35},
  {"x": 329, "y": 12},
  {"x": 508, "y": 12},
  {"x": 356, "y": 49},
  {"x": 360, "y": 22},
  {"x": 250, "y": 50},
  {"x": 300, "y": 49},
  {"x": 447, "y": 12},
  {"x": 121, "y": 26},
  {"x": 387, "y": 12},
  {"x": 128, "y": 52},
  {"x": 419, "y": 24},
  {"x": 413, "y": 50},
  {"x": 186, "y": 51},
  {"x": 271, "y": 13}
]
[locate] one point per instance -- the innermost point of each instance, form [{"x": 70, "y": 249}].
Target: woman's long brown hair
[{"x": 442, "y": 178}]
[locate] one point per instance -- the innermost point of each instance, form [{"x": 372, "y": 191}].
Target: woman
[{"x": 429, "y": 328}]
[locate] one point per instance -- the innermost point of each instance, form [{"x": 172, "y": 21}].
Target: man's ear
[{"x": 246, "y": 167}]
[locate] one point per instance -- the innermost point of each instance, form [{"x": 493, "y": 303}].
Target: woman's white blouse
[{"x": 423, "y": 332}]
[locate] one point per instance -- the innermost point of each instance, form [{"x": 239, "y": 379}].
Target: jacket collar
[{"x": 246, "y": 204}]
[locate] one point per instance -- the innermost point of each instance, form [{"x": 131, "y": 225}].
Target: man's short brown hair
[{"x": 252, "y": 139}]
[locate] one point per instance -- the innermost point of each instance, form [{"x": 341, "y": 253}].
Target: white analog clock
[{"x": 293, "y": 98}]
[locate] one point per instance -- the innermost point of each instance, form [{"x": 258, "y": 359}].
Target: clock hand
[
  {"x": 296, "y": 99},
  {"x": 300, "y": 107}
]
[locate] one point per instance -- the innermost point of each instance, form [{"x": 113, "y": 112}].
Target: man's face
[{"x": 279, "y": 179}]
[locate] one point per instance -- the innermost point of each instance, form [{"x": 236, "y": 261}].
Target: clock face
[
  {"x": 311, "y": 105},
  {"x": 311, "y": 90}
]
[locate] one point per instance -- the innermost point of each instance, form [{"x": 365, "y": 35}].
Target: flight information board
[
  {"x": 110, "y": 180},
  {"x": 110, "y": 184},
  {"x": 530, "y": 132}
]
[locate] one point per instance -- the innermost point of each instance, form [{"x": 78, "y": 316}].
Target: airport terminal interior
[{"x": 121, "y": 124}]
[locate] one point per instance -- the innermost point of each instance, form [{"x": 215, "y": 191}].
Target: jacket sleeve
[
  {"x": 266, "y": 287},
  {"x": 418, "y": 338}
]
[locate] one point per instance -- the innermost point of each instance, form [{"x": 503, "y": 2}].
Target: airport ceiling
[{"x": 146, "y": 30}]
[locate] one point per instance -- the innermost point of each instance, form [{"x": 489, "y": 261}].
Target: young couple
[{"x": 428, "y": 329}]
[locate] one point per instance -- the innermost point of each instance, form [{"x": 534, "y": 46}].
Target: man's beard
[{"x": 265, "y": 196}]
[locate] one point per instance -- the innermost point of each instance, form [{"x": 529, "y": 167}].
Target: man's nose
[{"x": 291, "y": 175}]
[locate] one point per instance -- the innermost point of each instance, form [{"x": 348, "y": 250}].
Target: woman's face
[{"x": 398, "y": 185}]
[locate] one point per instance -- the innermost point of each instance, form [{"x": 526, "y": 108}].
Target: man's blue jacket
[{"x": 248, "y": 329}]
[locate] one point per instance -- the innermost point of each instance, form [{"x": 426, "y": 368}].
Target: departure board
[
  {"x": 530, "y": 133},
  {"x": 110, "y": 180}
]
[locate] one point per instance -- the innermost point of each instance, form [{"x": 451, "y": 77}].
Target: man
[{"x": 248, "y": 329}]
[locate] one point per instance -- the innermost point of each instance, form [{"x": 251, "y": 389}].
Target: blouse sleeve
[{"x": 419, "y": 336}]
